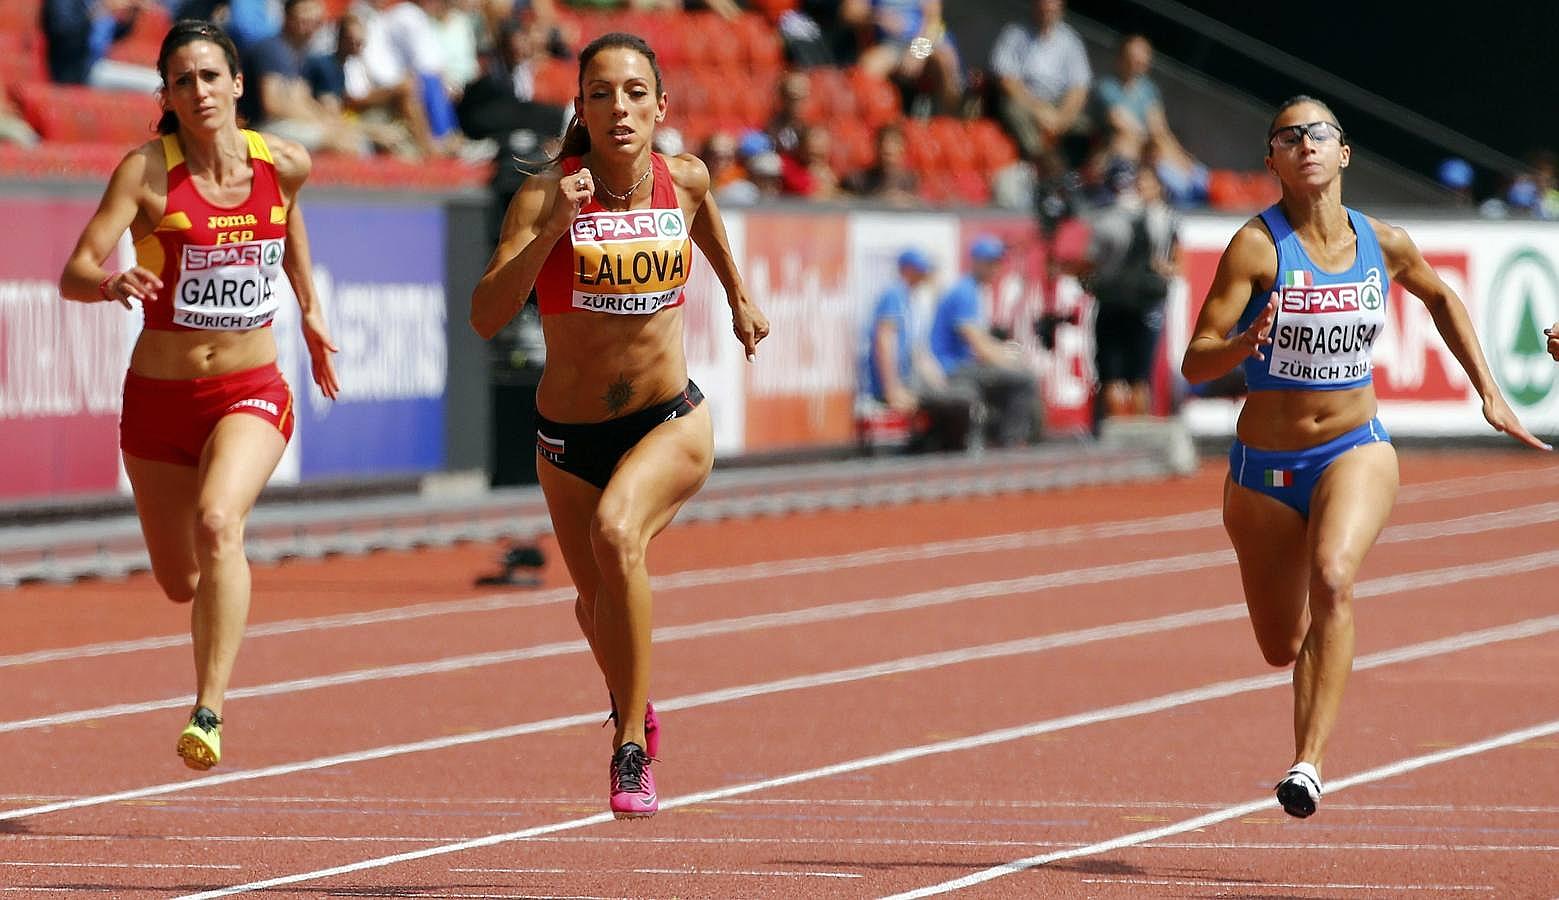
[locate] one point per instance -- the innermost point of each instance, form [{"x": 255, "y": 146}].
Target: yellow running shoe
[{"x": 201, "y": 742}]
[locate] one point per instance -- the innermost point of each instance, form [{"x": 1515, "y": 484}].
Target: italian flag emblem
[
  {"x": 1280, "y": 478},
  {"x": 1298, "y": 278}
]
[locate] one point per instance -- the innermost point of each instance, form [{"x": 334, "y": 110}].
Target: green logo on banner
[{"x": 1523, "y": 300}]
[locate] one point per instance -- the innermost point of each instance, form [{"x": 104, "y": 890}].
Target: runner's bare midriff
[
  {"x": 588, "y": 353},
  {"x": 1294, "y": 420},
  {"x": 199, "y": 354}
]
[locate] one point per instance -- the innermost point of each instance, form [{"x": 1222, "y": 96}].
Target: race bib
[
  {"x": 229, "y": 287},
  {"x": 1323, "y": 334},
  {"x": 630, "y": 263}
]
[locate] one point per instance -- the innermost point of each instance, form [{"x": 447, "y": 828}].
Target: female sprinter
[
  {"x": 622, "y": 437},
  {"x": 214, "y": 214},
  {"x": 1298, "y": 299}
]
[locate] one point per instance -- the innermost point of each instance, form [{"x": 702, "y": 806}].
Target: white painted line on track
[
  {"x": 1379, "y": 773},
  {"x": 1067, "y": 534},
  {"x": 689, "y": 870},
  {"x": 1518, "y": 518},
  {"x": 1410, "y": 494},
  {"x": 1440, "y": 577},
  {"x": 28, "y": 864},
  {"x": 1215, "y": 691},
  {"x": 1301, "y": 885}
]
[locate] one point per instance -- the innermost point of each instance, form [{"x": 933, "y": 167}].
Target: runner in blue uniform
[{"x": 1299, "y": 300}]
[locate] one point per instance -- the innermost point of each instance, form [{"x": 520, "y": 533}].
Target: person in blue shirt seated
[
  {"x": 972, "y": 357},
  {"x": 898, "y": 370}
]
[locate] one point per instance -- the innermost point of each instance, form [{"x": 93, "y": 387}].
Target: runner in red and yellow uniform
[{"x": 214, "y": 213}]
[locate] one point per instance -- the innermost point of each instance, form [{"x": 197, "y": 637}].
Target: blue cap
[
  {"x": 987, "y": 248},
  {"x": 915, "y": 259},
  {"x": 753, "y": 143},
  {"x": 1455, "y": 173}
]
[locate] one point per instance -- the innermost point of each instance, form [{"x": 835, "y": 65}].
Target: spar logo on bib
[{"x": 1523, "y": 300}]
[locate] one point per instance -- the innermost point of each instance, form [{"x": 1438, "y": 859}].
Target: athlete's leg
[
  {"x": 1269, "y": 540},
  {"x": 571, "y": 503},
  {"x": 238, "y": 459},
  {"x": 1349, "y": 508},
  {"x": 649, "y": 485},
  {"x": 165, "y": 495}
]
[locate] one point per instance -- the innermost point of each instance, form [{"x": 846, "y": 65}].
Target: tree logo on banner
[{"x": 1523, "y": 300}]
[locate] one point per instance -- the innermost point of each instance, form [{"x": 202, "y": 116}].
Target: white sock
[{"x": 1307, "y": 770}]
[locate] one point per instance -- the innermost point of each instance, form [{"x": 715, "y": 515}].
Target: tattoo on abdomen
[{"x": 617, "y": 395}]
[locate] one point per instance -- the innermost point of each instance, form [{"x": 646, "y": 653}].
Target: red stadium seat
[
  {"x": 993, "y": 147},
  {"x": 556, "y": 82},
  {"x": 762, "y": 44},
  {"x": 22, "y": 56},
  {"x": 953, "y": 144},
  {"x": 876, "y": 99},
  {"x": 60, "y": 112},
  {"x": 922, "y": 150},
  {"x": 17, "y": 16}
]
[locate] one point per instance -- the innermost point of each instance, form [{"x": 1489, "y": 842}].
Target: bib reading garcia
[
  {"x": 1324, "y": 333},
  {"x": 630, "y": 263},
  {"x": 228, "y": 287}
]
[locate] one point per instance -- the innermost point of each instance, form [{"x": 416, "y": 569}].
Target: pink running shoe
[
  {"x": 633, "y": 785},
  {"x": 651, "y": 728}
]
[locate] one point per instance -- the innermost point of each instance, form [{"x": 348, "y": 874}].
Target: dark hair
[
  {"x": 188, "y": 31},
  {"x": 1295, "y": 101},
  {"x": 576, "y": 140}
]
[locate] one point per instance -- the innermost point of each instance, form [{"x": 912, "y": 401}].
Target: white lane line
[
  {"x": 115, "y": 865},
  {"x": 1379, "y": 773},
  {"x": 688, "y": 870},
  {"x": 1411, "y": 494},
  {"x": 829, "y": 841},
  {"x": 1067, "y": 534},
  {"x": 1215, "y": 691},
  {"x": 1518, "y": 518},
  {"x": 1412, "y": 581},
  {"x": 1300, "y": 885}
]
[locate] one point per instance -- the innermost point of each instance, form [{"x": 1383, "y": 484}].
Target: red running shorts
[{"x": 169, "y": 420}]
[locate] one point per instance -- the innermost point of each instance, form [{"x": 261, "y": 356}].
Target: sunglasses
[{"x": 1318, "y": 132}]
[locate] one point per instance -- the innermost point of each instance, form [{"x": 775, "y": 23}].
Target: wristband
[{"x": 102, "y": 286}]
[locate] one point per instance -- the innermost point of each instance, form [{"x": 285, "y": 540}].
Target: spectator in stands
[
  {"x": 400, "y": 45},
  {"x": 719, "y": 157},
  {"x": 277, "y": 96},
  {"x": 913, "y": 49},
  {"x": 391, "y": 115},
  {"x": 808, "y": 172},
  {"x": 1534, "y": 192},
  {"x": 79, "y": 33},
  {"x": 1133, "y": 257},
  {"x": 459, "y": 30},
  {"x": 247, "y": 22},
  {"x": 727, "y": 8},
  {"x": 889, "y": 179},
  {"x": 1043, "y": 78},
  {"x": 501, "y": 104},
  {"x": 1456, "y": 176},
  {"x": 972, "y": 357},
  {"x": 1130, "y": 113},
  {"x": 789, "y": 120},
  {"x": 898, "y": 370}
]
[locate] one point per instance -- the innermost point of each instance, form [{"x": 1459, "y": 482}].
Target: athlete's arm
[
  {"x": 708, "y": 232},
  {"x": 539, "y": 215},
  {"x": 1552, "y": 333},
  {"x": 84, "y": 277},
  {"x": 1248, "y": 263},
  {"x": 292, "y": 170},
  {"x": 1409, "y": 269}
]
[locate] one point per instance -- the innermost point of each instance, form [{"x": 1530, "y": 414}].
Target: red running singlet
[
  {"x": 218, "y": 264},
  {"x": 632, "y": 262}
]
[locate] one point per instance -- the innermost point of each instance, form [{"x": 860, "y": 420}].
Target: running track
[{"x": 1045, "y": 695}]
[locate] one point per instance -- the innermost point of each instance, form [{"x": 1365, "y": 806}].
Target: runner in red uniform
[
  {"x": 214, "y": 213},
  {"x": 622, "y": 437}
]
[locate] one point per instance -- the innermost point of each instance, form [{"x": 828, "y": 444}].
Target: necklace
[{"x": 624, "y": 197}]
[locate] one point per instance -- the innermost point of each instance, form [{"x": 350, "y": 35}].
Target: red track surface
[{"x": 516, "y": 752}]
